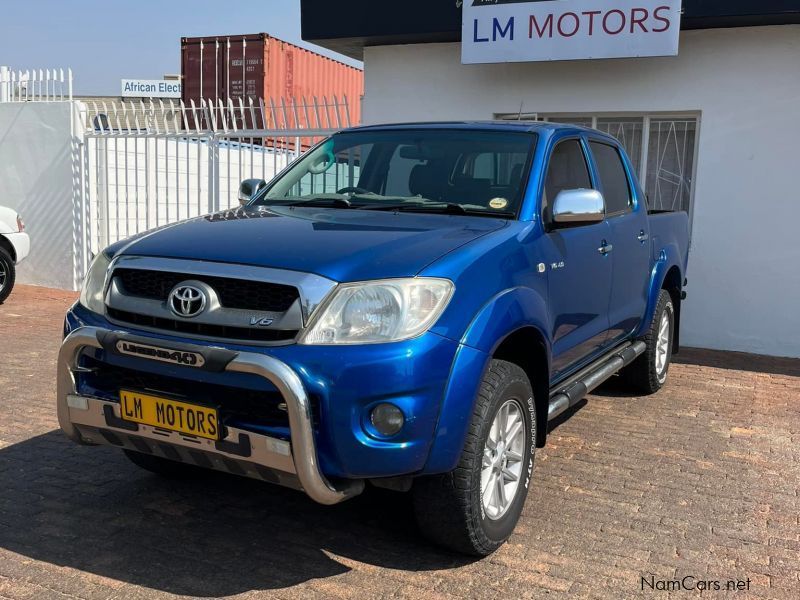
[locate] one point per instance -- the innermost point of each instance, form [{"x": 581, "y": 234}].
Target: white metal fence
[
  {"x": 35, "y": 85},
  {"x": 153, "y": 163},
  {"x": 110, "y": 170}
]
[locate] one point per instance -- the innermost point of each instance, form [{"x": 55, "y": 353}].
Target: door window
[
  {"x": 614, "y": 179},
  {"x": 567, "y": 170}
]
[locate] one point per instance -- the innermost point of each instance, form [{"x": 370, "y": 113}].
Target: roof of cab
[
  {"x": 523, "y": 126},
  {"x": 541, "y": 127}
]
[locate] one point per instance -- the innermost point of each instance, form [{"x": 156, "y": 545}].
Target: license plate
[{"x": 172, "y": 415}]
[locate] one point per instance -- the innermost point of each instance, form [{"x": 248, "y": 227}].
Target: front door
[{"x": 579, "y": 273}]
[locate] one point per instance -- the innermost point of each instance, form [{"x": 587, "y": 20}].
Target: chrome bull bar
[{"x": 303, "y": 445}]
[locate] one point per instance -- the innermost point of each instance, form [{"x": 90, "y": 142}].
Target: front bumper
[
  {"x": 431, "y": 378},
  {"x": 296, "y": 464}
]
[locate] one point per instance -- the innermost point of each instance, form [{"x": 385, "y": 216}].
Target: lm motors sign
[{"x": 499, "y": 31}]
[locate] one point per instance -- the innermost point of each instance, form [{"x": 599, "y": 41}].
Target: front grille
[
  {"x": 239, "y": 407},
  {"x": 233, "y": 293},
  {"x": 203, "y": 329}
]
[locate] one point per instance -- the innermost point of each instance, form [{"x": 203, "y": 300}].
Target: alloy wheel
[
  {"x": 662, "y": 346},
  {"x": 503, "y": 453}
]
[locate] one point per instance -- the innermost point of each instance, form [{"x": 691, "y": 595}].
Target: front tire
[
  {"x": 475, "y": 508},
  {"x": 8, "y": 274},
  {"x": 648, "y": 373}
]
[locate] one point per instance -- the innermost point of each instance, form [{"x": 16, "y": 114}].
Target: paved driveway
[{"x": 700, "y": 482}]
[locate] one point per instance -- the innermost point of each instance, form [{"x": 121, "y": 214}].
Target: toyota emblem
[{"x": 187, "y": 301}]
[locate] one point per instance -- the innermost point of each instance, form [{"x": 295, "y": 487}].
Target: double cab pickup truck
[{"x": 404, "y": 306}]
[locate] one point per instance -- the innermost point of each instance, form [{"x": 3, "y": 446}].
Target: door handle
[
  {"x": 643, "y": 236},
  {"x": 605, "y": 249}
]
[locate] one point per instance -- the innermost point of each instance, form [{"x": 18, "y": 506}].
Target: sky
[{"x": 104, "y": 41}]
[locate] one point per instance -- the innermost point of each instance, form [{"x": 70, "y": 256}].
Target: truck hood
[{"x": 343, "y": 245}]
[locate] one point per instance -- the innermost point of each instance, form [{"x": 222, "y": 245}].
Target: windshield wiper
[
  {"x": 390, "y": 205},
  {"x": 322, "y": 203},
  {"x": 445, "y": 208},
  {"x": 450, "y": 208}
]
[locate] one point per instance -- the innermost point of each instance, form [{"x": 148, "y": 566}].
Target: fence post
[
  {"x": 80, "y": 220},
  {"x": 5, "y": 84},
  {"x": 86, "y": 241},
  {"x": 151, "y": 175},
  {"x": 213, "y": 174},
  {"x": 102, "y": 191}
]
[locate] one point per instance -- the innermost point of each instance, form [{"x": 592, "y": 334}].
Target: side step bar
[{"x": 568, "y": 394}]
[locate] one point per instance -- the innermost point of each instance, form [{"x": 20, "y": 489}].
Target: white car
[{"x": 14, "y": 248}]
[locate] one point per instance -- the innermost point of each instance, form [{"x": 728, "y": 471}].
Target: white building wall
[
  {"x": 36, "y": 180},
  {"x": 744, "y": 270}
]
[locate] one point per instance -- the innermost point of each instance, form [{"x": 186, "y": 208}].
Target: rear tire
[
  {"x": 475, "y": 508},
  {"x": 648, "y": 373},
  {"x": 164, "y": 467},
  {"x": 8, "y": 274}
]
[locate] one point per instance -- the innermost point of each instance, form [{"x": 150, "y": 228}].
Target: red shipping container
[{"x": 257, "y": 66}]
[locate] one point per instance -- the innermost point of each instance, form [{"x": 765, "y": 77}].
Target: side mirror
[
  {"x": 249, "y": 188},
  {"x": 579, "y": 207}
]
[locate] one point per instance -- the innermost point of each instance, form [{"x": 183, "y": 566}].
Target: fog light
[{"x": 387, "y": 419}]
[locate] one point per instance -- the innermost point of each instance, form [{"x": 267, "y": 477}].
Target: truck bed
[{"x": 670, "y": 229}]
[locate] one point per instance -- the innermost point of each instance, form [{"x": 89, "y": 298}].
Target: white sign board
[
  {"x": 500, "y": 31},
  {"x": 150, "y": 88}
]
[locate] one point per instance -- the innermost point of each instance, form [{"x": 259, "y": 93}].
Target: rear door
[
  {"x": 579, "y": 273},
  {"x": 629, "y": 237}
]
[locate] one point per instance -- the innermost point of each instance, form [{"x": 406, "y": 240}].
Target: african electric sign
[{"x": 497, "y": 31}]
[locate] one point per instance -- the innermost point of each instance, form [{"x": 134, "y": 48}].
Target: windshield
[{"x": 453, "y": 171}]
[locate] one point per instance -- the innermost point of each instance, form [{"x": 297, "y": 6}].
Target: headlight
[
  {"x": 379, "y": 311},
  {"x": 95, "y": 283}
]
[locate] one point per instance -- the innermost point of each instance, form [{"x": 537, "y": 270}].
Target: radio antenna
[{"x": 519, "y": 117}]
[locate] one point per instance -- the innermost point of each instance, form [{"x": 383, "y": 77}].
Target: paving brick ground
[{"x": 701, "y": 480}]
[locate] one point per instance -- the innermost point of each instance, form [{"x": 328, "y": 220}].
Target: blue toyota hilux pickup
[{"x": 405, "y": 306}]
